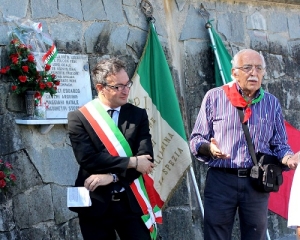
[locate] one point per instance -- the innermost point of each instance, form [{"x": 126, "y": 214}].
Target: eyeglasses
[
  {"x": 249, "y": 68},
  {"x": 120, "y": 87}
]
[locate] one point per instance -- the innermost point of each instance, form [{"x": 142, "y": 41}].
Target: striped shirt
[{"x": 219, "y": 119}]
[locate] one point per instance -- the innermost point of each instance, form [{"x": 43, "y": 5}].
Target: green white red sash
[{"x": 117, "y": 145}]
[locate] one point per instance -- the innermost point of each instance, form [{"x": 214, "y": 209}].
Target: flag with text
[{"x": 153, "y": 89}]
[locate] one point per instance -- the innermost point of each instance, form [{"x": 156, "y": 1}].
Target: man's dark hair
[{"x": 105, "y": 68}]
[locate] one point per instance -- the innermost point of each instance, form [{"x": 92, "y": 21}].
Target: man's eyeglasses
[
  {"x": 249, "y": 68},
  {"x": 119, "y": 87}
]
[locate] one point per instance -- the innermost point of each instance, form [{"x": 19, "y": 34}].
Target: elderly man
[{"x": 218, "y": 140}]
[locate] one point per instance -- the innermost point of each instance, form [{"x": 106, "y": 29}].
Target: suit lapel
[{"x": 122, "y": 123}]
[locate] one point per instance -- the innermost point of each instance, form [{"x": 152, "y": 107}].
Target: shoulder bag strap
[{"x": 247, "y": 134}]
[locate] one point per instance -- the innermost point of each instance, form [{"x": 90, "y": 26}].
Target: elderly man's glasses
[
  {"x": 249, "y": 68},
  {"x": 119, "y": 87}
]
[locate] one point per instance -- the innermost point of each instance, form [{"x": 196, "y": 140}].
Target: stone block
[
  {"x": 3, "y": 37},
  {"x": 93, "y": 10},
  {"x": 91, "y": 35},
  {"x": 70, "y": 42},
  {"x": 294, "y": 50},
  {"x": 277, "y": 22},
  {"x": 180, "y": 4},
  {"x": 256, "y": 21},
  {"x": 44, "y": 9},
  {"x": 10, "y": 136},
  {"x": 258, "y": 40},
  {"x": 12, "y": 235},
  {"x": 278, "y": 43},
  {"x": 194, "y": 26},
  {"x": 8, "y": 9},
  {"x": 25, "y": 172},
  {"x": 6, "y": 216},
  {"x": 294, "y": 26},
  {"x": 67, "y": 231},
  {"x": 136, "y": 41},
  {"x": 71, "y": 8},
  {"x": 228, "y": 27},
  {"x": 275, "y": 66},
  {"x": 112, "y": 40},
  {"x": 181, "y": 190},
  {"x": 49, "y": 161},
  {"x": 135, "y": 17},
  {"x": 114, "y": 11},
  {"x": 61, "y": 211},
  {"x": 175, "y": 220},
  {"x": 33, "y": 207},
  {"x": 37, "y": 232}
]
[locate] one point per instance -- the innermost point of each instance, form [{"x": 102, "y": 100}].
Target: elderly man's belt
[{"x": 240, "y": 172}]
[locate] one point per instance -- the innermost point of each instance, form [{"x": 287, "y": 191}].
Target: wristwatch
[{"x": 115, "y": 177}]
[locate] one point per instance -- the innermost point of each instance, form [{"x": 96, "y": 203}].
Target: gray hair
[
  {"x": 237, "y": 55},
  {"x": 105, "y": 68}
]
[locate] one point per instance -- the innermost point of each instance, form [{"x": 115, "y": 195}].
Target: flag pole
[
  {"x": 205, "y": 16},
  {"x": 197, "y": 190}
]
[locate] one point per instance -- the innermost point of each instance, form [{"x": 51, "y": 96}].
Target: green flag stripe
[
  {"x": 113, "y": 127},
  {"x": 157, "y": 81},
  {"x": 224, "y": 57}
]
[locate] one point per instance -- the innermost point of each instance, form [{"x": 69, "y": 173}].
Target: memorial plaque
[{"x": 75, "y": 86}]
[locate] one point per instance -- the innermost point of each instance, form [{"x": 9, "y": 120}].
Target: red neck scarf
[{"x": 238, "y": 100}]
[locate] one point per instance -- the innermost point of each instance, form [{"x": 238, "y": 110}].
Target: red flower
[
  {"x": 14, "y": 60},
  {"x": 47, "y": 67},
  {"x": 8, "y": 165},
  {"x": 25, "y": 68},
  {"x": 38, "y": 95},
  {"x": 49, "y": 84},
  {"x": 14, "y": 41},
  {"x": 2, "y": 183},
  {"x": 22, "y": 79},
  {"x": 53, "y": 76},
  {"x": 14, "y": 55},
  {"x": 12, "y": 177},
  {"x": 14, "y": 88},
  {"x": 4, "y": 70},
  {"x": 42, "y": 85},
  {"x": 57, "y": 83},
  {"x": 2, "y": 175},
  {"x": 30, "y": 58}
]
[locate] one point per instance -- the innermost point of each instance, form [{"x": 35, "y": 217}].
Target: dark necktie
[
  {"x": 116, "y": 186},
  {"x": 110, "y": 112}
]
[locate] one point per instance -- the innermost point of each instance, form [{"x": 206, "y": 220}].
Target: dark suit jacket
[{"x": 93, "y": 158}]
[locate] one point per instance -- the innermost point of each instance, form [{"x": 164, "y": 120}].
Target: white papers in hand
[{"x": 78, "y": 197}]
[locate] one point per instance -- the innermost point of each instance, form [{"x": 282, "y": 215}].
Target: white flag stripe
[
  {"x": 106, "y": 129},
  {"x": 171, "y": 152}
]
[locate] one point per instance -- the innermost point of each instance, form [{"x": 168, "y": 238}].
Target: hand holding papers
[{"x": 78, "y": 197}]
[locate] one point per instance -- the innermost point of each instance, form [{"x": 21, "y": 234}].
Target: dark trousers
[
  {"x": 226, "y": 193},
  {"x": 119, "y": 218}
]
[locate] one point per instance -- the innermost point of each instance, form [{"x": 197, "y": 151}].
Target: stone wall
[{"x": 45, "y": 165}]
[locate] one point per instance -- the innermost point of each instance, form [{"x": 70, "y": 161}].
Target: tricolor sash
[{"x": 116, "y": 144}]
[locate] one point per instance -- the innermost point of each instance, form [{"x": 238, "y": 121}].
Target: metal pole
[{"x": 197, "y": 190}]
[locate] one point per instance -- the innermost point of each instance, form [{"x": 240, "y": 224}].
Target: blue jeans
[{"x": 226, "y": 193}]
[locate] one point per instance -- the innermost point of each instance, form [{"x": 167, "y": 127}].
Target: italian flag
[{"x": 153, "y": 89}]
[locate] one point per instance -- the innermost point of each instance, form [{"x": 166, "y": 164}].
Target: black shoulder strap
[{"x": 247, "y": 134}]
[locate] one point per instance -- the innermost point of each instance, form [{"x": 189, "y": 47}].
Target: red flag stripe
[{"x": 107, "y": 143}]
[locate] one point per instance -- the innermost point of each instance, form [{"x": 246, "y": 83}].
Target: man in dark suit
[{"x": 107, "y": 174}]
